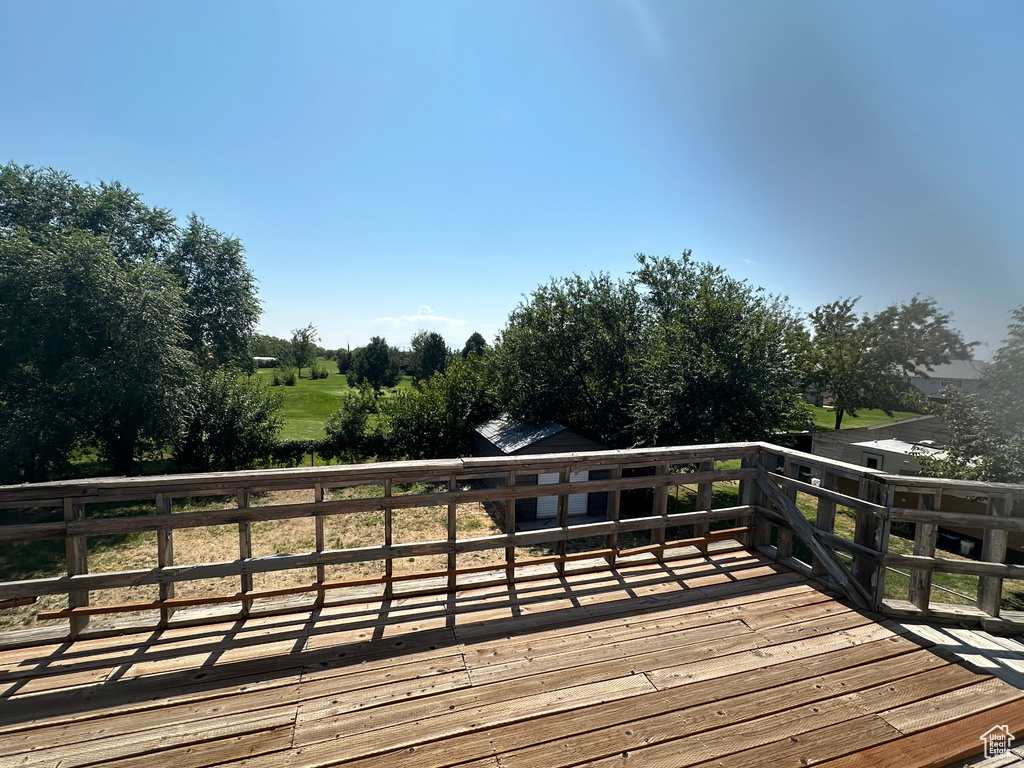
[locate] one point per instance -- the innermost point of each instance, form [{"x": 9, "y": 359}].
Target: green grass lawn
[
  {"x": 825, "y": 418},
  {"x": 308, "y": 404}
]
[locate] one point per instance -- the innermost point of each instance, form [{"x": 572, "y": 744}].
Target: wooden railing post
[
  {"x": 318, "y": 524},
  {"x": 453, "y": 535},
  {"x": 661, "y": 510},
  {"x": 873, "y": 533},
  {"x": 784, "y": 547},
  {"x": 705, "y": 500},
  {"x": 245, "y": 551},
  {"x": 993, "y": 550},
  {"x": 748, "y": 497},
  {"x": 389, "y": 540},
  {"x": 164, "y": 556},
  {"x": 763, "y": 540},
  {"x": 825, "y": 520},
  {"x": 510, "y": 530},
  {"x": 926, "y": 536},
  {"x": 77, "y": 564},
  {"x": 611, "y": 540},
  {"x": 563, "y": 519}
]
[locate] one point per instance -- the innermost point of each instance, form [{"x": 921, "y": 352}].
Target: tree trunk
[
  {"x": 122, "y": 452},
  {"x": 839, "y": 415}
]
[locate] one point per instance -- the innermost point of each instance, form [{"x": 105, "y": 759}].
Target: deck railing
[{"x": 758, "y": 507}]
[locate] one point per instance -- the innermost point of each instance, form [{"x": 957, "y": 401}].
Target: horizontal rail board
[
  {"x": 963, "y": 519},
  {"x": 971, "y": 487},
  {"x": 849, "y": 547},
  {"x": 834, "y": 466},
  {"x": 184, "y": 602},
  {"x": 216, "y": 483},
  {"x": 170, "y": 574},
  {"x": 948, "y": 565},
  {"x": 142, "y": 523},
  {"x": 878, "y": 510}
]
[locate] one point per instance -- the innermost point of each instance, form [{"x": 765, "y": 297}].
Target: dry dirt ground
[{"x": 221, "y": 543}]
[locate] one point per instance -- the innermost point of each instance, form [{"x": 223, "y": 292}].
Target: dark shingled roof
[{"x": 510, "y": 436}]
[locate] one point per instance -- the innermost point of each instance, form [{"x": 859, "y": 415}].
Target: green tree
[
  {"x": 436, "y": 418},
  {"x": 343, "y": 359},
  {"x": 93, "y": 352},
  {"x": 220, "y": 294},
  {"x": 107, "y": 307},
  {"x": 718, "y": 360},
  {"x": 679, "y": 353},
  {"x": 475, "y": 345},
  {"x": 44, "y": 202},
  {"x": 304, "y": 346},
  {"x": 569, "y": 353},
  {"x": 230, "y": 423},
  {"x": 262, "y": 345},
  {"x": 376, "y": 363},
  {"x": 429, "y": 354},
  {"x": 865, "y": 361},
  {"x": 348, "y": 434},
  {"x": 987, "y": 427}
]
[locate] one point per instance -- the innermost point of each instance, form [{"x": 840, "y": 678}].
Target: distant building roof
[
  {"x": 899, "y": 446},
  {"x": 910, "y": 420},
  {"x": 510, "y": 436},
  {"x": 970, "y": 370}
]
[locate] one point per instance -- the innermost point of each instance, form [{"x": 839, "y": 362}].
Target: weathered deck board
[{"x": 729, "y": 660}]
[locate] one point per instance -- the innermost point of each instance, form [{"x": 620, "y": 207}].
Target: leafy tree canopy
[
  {"x": 44, "y": 202},
  {"x": 864, "y": 361},
  {"x": 93, "y": 352},
  {"x": 679, "y": 353},
  {"x": 436, "y": 418},
  {"x": 349, "y": 437},
  {"x": 262, "y": 345},
  {"x": 220, "y": 294},
  {"x": 231, "y": 422},
  {"x": 475, "y": 345},
  {"x": 304, "y": 346},
  {"x": 106, "y": 310},
  {"x": 376, "y": 363},
  {"x": 569, "y": 353},
  {"x": 719, "y": 357},
  {"x": 987, "y": 427},
  {"x": 429, "y": 354}
]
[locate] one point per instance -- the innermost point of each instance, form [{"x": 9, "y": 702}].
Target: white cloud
[
  {"x": 424, "y": 316},
  {"x": 749, "y": 261}
]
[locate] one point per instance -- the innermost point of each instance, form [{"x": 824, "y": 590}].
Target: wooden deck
[{"x": 725, "y": 661}]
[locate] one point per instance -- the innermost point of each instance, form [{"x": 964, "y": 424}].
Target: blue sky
[{"x": 395, "y": 166}]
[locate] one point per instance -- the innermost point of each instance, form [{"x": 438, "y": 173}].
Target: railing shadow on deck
[{"x": 201, "y": 649}]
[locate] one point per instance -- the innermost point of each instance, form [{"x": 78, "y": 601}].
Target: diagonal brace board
[{"x": 835, "y": 567}]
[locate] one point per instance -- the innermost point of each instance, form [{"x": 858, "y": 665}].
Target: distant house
[
  {"x": 504, "y": 437},
  {"x": 891, "y": 447},
  {"x": 265, "y": 362},
  {"x": 961, "y": 374}
]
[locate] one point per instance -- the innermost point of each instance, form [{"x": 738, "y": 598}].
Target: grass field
[
  {"x": 825, "y": 418},
  {"x": 308, "y": 404}
]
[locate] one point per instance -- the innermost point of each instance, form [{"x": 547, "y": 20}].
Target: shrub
[
  {"x": 291, "y": 453},
  {"x": 231, "y": 423},
  {"x": 347, "y": 429},
  {"x": 316, "y": 372},
  {"x": 287, "y": 377}
]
